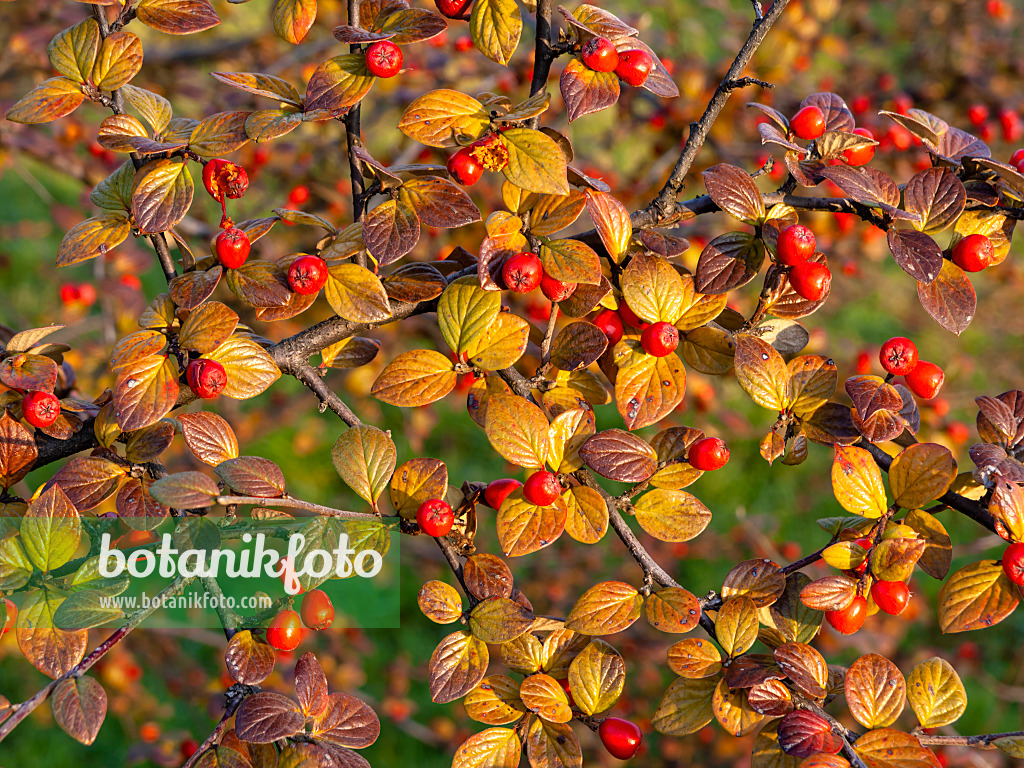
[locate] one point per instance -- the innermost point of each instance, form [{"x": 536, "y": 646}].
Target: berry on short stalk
[
  {"x": 222, "y": 178},
  {"x": 634, "y": 67},
  {"x": 542, "y": 488},
  {"x": 898, "y": 356},
  {"x": 851, "y": 618},
  {"x": 464, "y": 168},
  {"x": 307, "y": 274},
  {"x": 498, "y": 490},
  {"x": 973, "y": 253},
  {"x": 610, "y": 323},
  {"x": 40, "y": 409},
  {"x": 708, "y": 454},
  {"x": 232, "y": 248},
  {"x": 435, "y": 517},
  {"x": 808, "y": 123},
  {"x": 620, "y": 737},
  {"x": 795, "y": 245},
  {"x": 810, "y": 279},
  {"x": 285, "y": 631},
  {"x": 384, "y": 59},
  {"x": 660, "y": 339},
  {"x": 599, "y": 54},
  {"x": 523, "y": 272},
  {"x": 925, "y": 380},
  {"x": 317, "y": 610},
  {"x": 891, "y": 596},
  {"x": 207, "y": 378},
  {"x": 556, "y": 290}
]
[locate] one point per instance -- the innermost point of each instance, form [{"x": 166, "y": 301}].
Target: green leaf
[
  {"x": 465, "y": 314},
  {"x": 535, "y": 162},
  {"x": 365, "y": 458},
  {"x": 495, "y": 26}
]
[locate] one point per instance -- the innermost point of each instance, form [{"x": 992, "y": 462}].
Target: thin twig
[{"x": 290, "y": 503}]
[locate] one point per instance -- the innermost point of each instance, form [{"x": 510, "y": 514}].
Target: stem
[
  {"x": 549, "y": 335},
  {"x": 258, "y": 501},
  {"x": 308, "y": 375},
  {"x": 353, "y": 140},
  {"x": 232, "y": 704},
  {"x": 544, "y": 55}
]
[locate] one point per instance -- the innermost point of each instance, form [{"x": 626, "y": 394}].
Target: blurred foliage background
[{"x": 944, "y": 56}]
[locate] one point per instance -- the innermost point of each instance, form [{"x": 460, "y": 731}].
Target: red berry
[
  {"x": 898, "y": 356},
  {"x": 87, "y": 294},
  {"x": 629, "y": 317},
  {"x": 542, "y": 488},
  {"x": 977, "y": 114},
  {"x": 564, "y": 682},
  {"x": 708, "y": 454},
  {"x": 863, "y": 363},
  {"x": 384, "y": 58},
  {"x": 188, "y": 748},
  {"x": 12, "y": 615},
  {"x": 1017, "y": 160},
  {"x": 285, "y": 631},
  {"x": 232, "y": 248},
  {"x": 498, "y": 490},
  {"x": 207, "y": 378},
  {"x": 610, "y": 323},
  {"x": 891, "y": 596},
  {"x": 599, "y": 54},
  {"x": 523, "y": 272},
  {"x": 69, "y": 293},
  {"x": 864, "y": 544},
  {"x": 317, "y": 610},
  {"x": 222, "y": 178},
  {"x": 130, "y": 281},
  {"x": 634, "y": 67},
  {"x": 660, "y": 339},
  {"x": 40, "y": 409},
  {"x": 973, "y": 253},
  {"x": 307, "y": 274},
  {"x": 860, "y": 155},
  {"x": 455, "y": 9},
  {"x": 463, "y": 43},
  {"x": 808, "y": 123},
  {"x": 851, "y": 618},
  {"x": 556, "y": 290},
  {"x": 298, "y": 195},
  {"x": 1011, "y": 125},
  {"x": 810, "y": 279},
  {"x": 1013, "y": 563},
  {"x": 925, "y": 380},
  {"x": 435, "y": 517},
  {"x": 796, "y": 244},
  {"x": 620, "y": 737},
  {"x": 464, "y": 168}
]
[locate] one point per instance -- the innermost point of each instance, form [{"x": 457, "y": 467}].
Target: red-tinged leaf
[
  {"x": 260, "y": 284},
  {"x": 89, "y": 480},
  {"x": 975, "y": 597},
  {"x": 79, "y": 706},
  {"x": 803, "y": 733},
  {"x": 728, "y": 262},
  {"x": 585, "y": 91},
  {"x": 219, "y": 134},
  {"x": 209, "y": 437},
  {"x": 50, "y": 100},
  {"x": 916, "y": 253},
  {"x": 191, "y": 289},
  {"x": 950, "y": 299},
  {"x": 438, "y": 202},
  {"x": 391, "y": 230},
  {"x": 937, "y": 196},
  {"x": 268, "y": 124},
  {"x": 162, "y": 196},
  {"x": 252, "y": 476},
  {"x": 177, "y": 17},
  {"x": 262, "y": 85},
  {"x": 265, "y": 717},
  {"x": 487, "y": 576},
  {"x": 52, "y": 651},
  {"x": 18, "y": 450},
  {"x": 619, "y": 455},
  {"x": 734, "y": 192},
  {"x": 145, "y": 392},
  {"x": 347, "y": 722},
  {"x": 889, "y": 748},
  {"x": 293, "y": 18},
  {"x": 415, "y": 378},
  {"x": 338, "y": 83},
  {"x": 185, "y": 490},
  {"x": 875, "y": 691},
  {"x": 413, "y": 25},
  {"x": 207, "y": 327},
  {"x": 456, "y": 667},
  {"x": 248, "y": 660},
  {"x": 29, "y": 372},
  {"x": 524, "y": 527},
  {"x": 955, "y": 145},
  {"x": 578, "y": 345}
]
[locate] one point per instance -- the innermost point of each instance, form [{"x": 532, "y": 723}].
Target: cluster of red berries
[
  {"x": 891, "y": 597},
  {"x": 809, "y": 123},
  {"x": 658, "y": 339},
  {"x": 78, "y": 293},
  {"x": 632, "y": 66},
  {"x": 899, "y": 357},
  {"x": 795, "y": 247},
  {"x": 40, "y": 409},
  {"x": 523, "y": 273},
  {"x": 486, "y": 154},
  {"x": 285, "y": 630}
]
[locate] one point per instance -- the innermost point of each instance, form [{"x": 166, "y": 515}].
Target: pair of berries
[
  {"x": 809, "y": 123},
  {"x": 468, "y": 164},
  {"x": 40, "y": 409},
  {"x": 659, "y": 339},
  {"x": 80, "y": 293},
  {"x": 523, "y": 272},
  {"x": 890, "y": 596},
  {"x": 633, "y": 66},
  {"x": 795, "y": 247},
  {"x": 285, "y": 630},
  {"x": 899, "y": 357}
]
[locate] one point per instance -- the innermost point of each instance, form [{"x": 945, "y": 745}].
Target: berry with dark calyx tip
[
  {"x": 232, "y": 248},
  {"x": 708, "y": 454},
  {"x": 898, "y": 356},
  {"x": 307, "y": 274},
  {"x": 599, "y": 54},
  {"x": 317, "y": 610},
  {"x": 285, "y": 631},
  {"x": 860, "y": 155},
  {"x": 435, "y": 517},
  {"x": 523, "y": 272},
  {"x": 498, "y": 490},
  {"x": 973, "y": 253},
  {"x": 12, "y": 615},
  {"x": 490, "y": 151},
  {"x": 795, "y": 245},
  {"x": 849, "y": 619},
  {"x": 222, "y": 179},
  {"x": 207, "y": 378},
  {"x": 660, "y": 339},
  {"x": 542, "y": 488},
  {"x": 40, "y": 409},
  {"x": 620, "y": 737},
  {"x": 810, "y": 279},
  {"x": 629, "y": 317},
  {"x": 808, "y": 123},
  {"x": 634, "y": 67},
  {"x": 1013, "y": 563},
  {"x": 459, "y": 10},
  {"x": 610, "y": 323},
  {"x": 384, "y": 58},
  {"x": 925, "y": 380},
  {"x": 556, "y": 290},
  {"x": 891, "y": 596},
  {"x": 464, "y": 168}
]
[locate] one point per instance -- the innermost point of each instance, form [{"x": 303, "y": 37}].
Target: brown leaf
[
  {"x": 734, "y": 192},
  {"x": 18, "y": 450},
  {"x": 728, "y": 262},
  {"x": 937, "y": 196},
  {"x": 619, "y": 455},
  {"x": 347, "y": 722},
  {"x": 248, "y": 661},
  {"x": 875, "y": 691},
  {"x": 209, "y": 437},
  {"x": 456, "y": 667},
  {"x": 916, "y": 253},
  {"x": 585, "y": 91},
  {"x": 79, "y": 706},
  {"x": 950, "y": 299},
  {"x": 266, "y": 717},
  {"x": 252, "y": 476},
  {"x": 889, "y": 748},
  {"x": 438, "y": 202},
  {"x": 487, "y": 576},
  {"x": 177, "y": 17}
]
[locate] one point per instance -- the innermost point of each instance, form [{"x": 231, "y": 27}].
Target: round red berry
[
  {"x": 317, "y": 610},
  {"x": 629, "y": 317},
  {"x": 860, "y": 155},
  {"x": 542, "y": 488},
  {"x": 925, "y": 380},
  {"x": 464, "y": 168},
  {"x": 851, "y": 618},
  {"x": 523, "y": 272},
  {"x": 463, "y": 43},
  {"x": 188, "y": 748},
  {"x": 455, "y": 9},
  {"x": 232, "y": 248},
  {"x": 1013, "y": 563},
  {"x": 207, "y": 378},
  {"x": 69, "y": 293},
  {"x": 977, "y": 114},
  {"x": 599, "y": 54},
  {"x": 660, "y": 339},
  {"x": 811, "y": 280},
  {"x": 610, "y": 323},
  {"x": 298, "y": 195},
  {"x": 634, "y": 67},
  {"x": 556, "y": 290},
  {"x": 384, "y": 58},
  {"x": 891, "y": 596},
  {"x": 285, "y": 631},
  {"x": 12, "y": 615},
  {"x": 87, "y": 294},
  {"x": 40, "y": 409},
  {"x": 708, "y": 454},
  {"x": 222, "y": 178},
  {"x": 973, "y": 253},
  {"x": 307, "y": 274},
  {"x": 620, "y": 737},
  {"x": 564, "y": 682},
  {"x": 1017, "y": 160},
  {"x": 898, "y": 356},
  {"x": 864, "y": 544},
  {"x": 435, "y": 517},
  {"x": 808, "y": 123},
  {"x": 796, "y": 244},
  {"x": 498, "y": 490}
]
